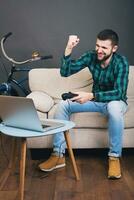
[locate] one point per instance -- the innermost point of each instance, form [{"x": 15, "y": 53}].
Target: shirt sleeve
[
  {"x": 120, "y": 85},
  {"x": 69, "y": 66}
]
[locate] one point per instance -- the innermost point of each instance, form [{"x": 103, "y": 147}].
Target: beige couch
[{"x": 46, "y": 87}]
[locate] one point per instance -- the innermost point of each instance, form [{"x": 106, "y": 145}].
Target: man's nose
[{"x": 99, "y": 50}]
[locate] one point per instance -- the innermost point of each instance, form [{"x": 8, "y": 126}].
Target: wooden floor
[{"x": 61, "y": 184}]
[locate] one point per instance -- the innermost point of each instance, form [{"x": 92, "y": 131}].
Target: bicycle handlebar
[
  {"x": 6, "y": 36},
  {"x": 41, "y": 58},
  {"x": 20, "y": 62}
]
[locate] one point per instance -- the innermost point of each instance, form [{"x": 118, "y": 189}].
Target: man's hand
[
  {"x": 82, "y": 97},
  {"x": 72, "y": 42}
]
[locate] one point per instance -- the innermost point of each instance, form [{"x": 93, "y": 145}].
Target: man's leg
[
  {"x": 63, "y": 112},
  {"x": 115, "y": 112}
]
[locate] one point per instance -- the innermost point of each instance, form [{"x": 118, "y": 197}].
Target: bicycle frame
[
  {"x": 7, "y": 87},
  {"x": 16, "y": 82}
]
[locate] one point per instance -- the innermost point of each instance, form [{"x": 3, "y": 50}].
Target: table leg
[
  {"x": 22, "y": 168},
  {"x": 68, "y": 142},
  {"x": 11, "y": 164}
]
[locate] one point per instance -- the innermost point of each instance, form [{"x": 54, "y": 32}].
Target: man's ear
[{"x": 115, "y": 48}]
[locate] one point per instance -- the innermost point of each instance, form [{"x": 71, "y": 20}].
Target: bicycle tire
[{"x": 7, "y": 89}]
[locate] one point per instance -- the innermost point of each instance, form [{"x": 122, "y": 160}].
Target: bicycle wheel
[{"x": 7, "y": 89}]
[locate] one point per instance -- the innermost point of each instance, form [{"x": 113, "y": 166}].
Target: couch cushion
[
  {"x": 51, "y": 82},
  {"x": 97, "y": 120},
  {"x": 42, "y": 101},
  {"x": 83, "y": 138},
  {"x": 130, "y": 91}
]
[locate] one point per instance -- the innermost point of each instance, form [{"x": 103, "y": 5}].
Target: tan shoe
[
  {"x": 114, "y": 171},
  {"x": 54, "y": 162}
]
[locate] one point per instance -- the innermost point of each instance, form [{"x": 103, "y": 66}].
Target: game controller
[{"x": 68, "y": 95}]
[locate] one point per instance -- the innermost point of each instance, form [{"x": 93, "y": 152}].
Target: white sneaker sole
[
  {"x": 114, "y": 177},
  {"x": 55, "y": 167}
]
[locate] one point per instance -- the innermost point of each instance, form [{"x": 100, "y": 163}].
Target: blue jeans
[{"x": 114, "y": 110}]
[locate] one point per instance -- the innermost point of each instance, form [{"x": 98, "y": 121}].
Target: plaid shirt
[{"x": 109, "y": 83}]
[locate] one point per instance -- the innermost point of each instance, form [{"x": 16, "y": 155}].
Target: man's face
[{"x": 104, "y": 49}]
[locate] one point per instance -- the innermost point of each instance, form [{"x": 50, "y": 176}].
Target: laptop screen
[{"x": 20, "y": 112}]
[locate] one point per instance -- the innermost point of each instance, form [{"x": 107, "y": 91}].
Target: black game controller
[{"x": 68, "y": 95}]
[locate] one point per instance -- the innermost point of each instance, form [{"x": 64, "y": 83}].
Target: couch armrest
[{"x": 42, "y": 101}]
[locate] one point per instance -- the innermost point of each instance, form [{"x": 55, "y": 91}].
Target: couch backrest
[
  {"x": 130, "y": 91},
  {"x": 51, "y": 82}
]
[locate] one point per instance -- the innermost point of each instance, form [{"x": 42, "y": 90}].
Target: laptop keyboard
[{"x": 45, "y": 126}]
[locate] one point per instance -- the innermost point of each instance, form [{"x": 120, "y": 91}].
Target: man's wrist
[
  {"x": 68, "y": 51},
  {"x": 93, "y": 95}
]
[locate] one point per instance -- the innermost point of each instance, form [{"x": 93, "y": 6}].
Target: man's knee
[
  {"x": 61, "y": 109},
  {"x": 62, "y": 105},
  {"x": 114, "y": 109}
]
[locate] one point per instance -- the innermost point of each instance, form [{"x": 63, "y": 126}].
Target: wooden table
[{"x": 23, "y": 135}]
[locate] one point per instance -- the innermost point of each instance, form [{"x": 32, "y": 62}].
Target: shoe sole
[
  {"x": 114, "y": 177},
  {"x": 55, "y": 167}
]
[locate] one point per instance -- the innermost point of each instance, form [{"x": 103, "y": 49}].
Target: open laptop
[{"x": 20, "y": 112}]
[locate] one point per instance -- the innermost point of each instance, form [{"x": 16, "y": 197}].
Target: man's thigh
[{"x": 89, "y": 106}]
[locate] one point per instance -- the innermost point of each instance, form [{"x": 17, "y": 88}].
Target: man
[{"x": 110, "y": 79}]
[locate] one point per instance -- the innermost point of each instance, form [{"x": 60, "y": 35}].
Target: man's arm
[{"x": 69, "y": 66}]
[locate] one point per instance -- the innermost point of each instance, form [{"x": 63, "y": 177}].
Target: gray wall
[{"x": 44, "y": 25}]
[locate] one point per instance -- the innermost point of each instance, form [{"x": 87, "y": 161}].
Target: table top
[{"x": 17, "y": 132}]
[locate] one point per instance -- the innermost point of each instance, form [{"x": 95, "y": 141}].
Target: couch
[{"x": 46, "y": 87}]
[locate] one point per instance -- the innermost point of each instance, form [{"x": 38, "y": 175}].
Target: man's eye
[{"x": 104, "y": 48}]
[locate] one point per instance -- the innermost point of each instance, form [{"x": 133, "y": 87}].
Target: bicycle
[{"x": 11, "y": 86}]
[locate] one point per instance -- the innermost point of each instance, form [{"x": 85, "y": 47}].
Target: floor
[{"x": 61, "y": 184}]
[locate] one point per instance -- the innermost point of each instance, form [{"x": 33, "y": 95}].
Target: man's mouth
[{"x": 100, "y": 55}]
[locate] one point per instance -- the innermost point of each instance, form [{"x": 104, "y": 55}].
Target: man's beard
[{"x": 104, "y": 58}]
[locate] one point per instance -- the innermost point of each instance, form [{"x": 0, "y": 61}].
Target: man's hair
[{"x": 109, "y": 34}]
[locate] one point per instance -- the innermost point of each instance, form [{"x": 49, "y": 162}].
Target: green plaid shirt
[{"x": 109, "y": 83}]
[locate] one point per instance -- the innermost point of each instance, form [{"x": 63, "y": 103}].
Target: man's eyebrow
[{"x": 101, "y": 46}]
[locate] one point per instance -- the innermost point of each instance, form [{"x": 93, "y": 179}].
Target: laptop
[{"x": 20, "y": 112}]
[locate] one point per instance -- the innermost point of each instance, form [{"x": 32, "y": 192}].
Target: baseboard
[{"x": 37, "y": 154}]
